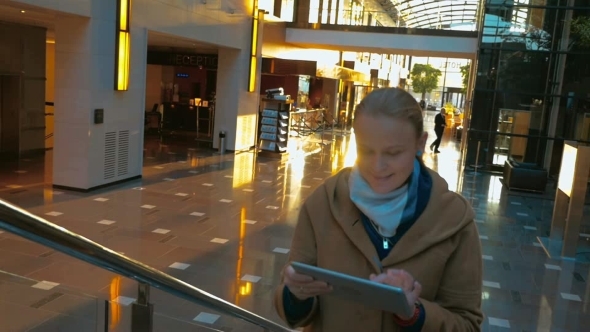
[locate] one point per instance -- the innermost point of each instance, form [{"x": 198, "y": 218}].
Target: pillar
[
  {"x": 302, "y": 11},
  {"x": 236, "y": 109},
  {"x": 88, "y": 154}
]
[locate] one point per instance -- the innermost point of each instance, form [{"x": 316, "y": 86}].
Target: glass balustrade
[{"x": 65, "y": 282}]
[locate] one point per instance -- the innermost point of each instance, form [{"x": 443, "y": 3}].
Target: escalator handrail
[{"x": 39, "y": 230}]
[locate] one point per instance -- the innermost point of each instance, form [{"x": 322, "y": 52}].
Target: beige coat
[{"x": 441, "y": 250}]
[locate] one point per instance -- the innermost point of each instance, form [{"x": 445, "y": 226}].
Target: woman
[{"x": 392, "y": 220}]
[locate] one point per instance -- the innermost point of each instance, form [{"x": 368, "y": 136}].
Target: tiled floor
[{"x": 224, "y": 224}]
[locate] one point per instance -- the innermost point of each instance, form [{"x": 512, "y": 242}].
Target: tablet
[{"x": 372, "y": 294}]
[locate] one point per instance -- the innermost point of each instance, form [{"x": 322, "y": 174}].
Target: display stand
[
  {"x": 569, "y": 203},
  {"x": 274, "y": 127},
  {"x": 583, "y": 127},
  {"x": 513, "y": 122}
]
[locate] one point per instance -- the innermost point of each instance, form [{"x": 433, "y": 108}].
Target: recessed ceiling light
[{"x": 22, "y": 11}]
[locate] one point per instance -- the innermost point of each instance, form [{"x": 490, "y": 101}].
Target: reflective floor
[{"x": 224, "y": 224}]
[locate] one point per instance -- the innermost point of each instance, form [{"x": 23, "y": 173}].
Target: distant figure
[
  {"x": 439, "y": 129},
  {"x": 422, "y": 104}
]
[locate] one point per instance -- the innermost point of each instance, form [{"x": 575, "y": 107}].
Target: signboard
[{"x": 207, "y": 61}]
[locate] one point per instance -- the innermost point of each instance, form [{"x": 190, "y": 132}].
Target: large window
[
  {"x": 433, "y": 14},
  {"x": 533, "y": 81},
  {"x": 425, "y": 14}
]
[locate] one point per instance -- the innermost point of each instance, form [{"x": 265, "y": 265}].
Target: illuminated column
[
  {"x": 98, "y": 130},
  {"x": 238, "y": 88}
]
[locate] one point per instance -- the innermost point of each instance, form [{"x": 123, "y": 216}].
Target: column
[
  {"x": 88, "y": 154},
  {"x": 564, "y": 44},
  {"x": 236, "y": 109},
  {"x": 302, "y": 11}
]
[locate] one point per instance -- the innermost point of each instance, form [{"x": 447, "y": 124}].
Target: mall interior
[{"x": 155, "y": 154}]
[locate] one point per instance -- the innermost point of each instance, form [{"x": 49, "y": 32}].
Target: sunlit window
[{"x": 435, "y": 14}]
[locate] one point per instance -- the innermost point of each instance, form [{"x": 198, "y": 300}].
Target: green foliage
[
  {"x": 581, "y": 30},
  {"x": 465, "y": 74},
  {"x": 424, "y": 78}
]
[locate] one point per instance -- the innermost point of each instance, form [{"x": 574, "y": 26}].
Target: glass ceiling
[{"x": 435, "y": 14}]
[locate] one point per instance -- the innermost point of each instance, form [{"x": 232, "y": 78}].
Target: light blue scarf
[{"x": 386, "y": 211}]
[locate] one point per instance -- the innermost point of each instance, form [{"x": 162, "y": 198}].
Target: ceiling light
[{"x": 22, "y": 11}]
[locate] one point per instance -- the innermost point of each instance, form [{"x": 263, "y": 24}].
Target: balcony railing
[{"x": 36, "y": 229}]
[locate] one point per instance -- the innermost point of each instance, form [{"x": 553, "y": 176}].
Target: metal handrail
[{"x": 39, "y": 230}]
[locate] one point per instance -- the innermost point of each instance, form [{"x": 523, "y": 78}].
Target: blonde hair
[{"x": 395, "y": 103}]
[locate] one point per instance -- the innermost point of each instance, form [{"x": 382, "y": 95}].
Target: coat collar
[
  {"x": 348, "y": 217},
  {"x": 445, "y": 214}
]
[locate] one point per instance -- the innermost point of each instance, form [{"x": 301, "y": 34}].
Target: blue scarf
[{"x": 386, "y": 211}]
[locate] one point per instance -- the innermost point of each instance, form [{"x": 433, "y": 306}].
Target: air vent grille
[
  {"x": 123, "y": 153},
  {"x": 110, "y": 154}
]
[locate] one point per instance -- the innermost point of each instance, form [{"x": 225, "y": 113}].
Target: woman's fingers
[
  {"x": 406, "y": 279},
  {"x": 417, "y": 289},
  {"x": 319, "y": 285},
  {"x": 297, "y": 277},
  {"x": 307, "y": 290},
  {"x": 304, "y": 286},
  {"x": 388, "y": 279},
  {"x": 399, "y": 278}
]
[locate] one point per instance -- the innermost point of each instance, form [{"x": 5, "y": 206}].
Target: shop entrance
[
  {"x": 180, "y": 97},
  {"x": 10, "y": 93}
]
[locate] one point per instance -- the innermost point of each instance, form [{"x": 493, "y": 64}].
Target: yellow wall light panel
[
  {"x": 123, "y": 61},
  {"x": 124, "y": 6},
  {"x": 252, "y": 78},
  {"x": 254, "y": 38},
  {"x": 122, "y": 46}
]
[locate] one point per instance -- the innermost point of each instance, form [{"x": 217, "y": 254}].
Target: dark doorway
[
  {"x": 9, "y": 116},
  {"x": 196, "y": 90},
  {"x": 211, "y": 83}
]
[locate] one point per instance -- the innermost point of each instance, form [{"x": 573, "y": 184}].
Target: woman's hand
[
  {"x": 403, "y": 280},
  {"x": 304, "y": 286}
]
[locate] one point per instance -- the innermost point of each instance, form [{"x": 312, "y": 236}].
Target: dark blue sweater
[{"x": 296, "y": 310}]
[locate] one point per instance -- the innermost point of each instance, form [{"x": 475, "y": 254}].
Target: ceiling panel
[{"x": 26, "y": 15}]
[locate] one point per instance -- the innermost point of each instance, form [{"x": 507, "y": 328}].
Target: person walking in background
[{"x": 439, "y": 129}]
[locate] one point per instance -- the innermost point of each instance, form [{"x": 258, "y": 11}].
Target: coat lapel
[{"x": 351, "y": 223}]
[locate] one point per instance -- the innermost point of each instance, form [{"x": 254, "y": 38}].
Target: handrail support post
[{"x": 142, "y": 311}]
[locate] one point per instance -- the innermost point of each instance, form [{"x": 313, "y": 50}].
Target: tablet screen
[{"x": 364, "y": 291}]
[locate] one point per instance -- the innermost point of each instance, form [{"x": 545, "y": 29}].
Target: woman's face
[{"x": 386, "y": 149}]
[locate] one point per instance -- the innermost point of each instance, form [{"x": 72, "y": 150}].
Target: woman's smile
[{"x": 381, "y": 177}]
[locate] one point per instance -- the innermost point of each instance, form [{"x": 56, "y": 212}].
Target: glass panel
[
  {"x": 314, "y": 11},
  {"x": 56, "y": 297},
  {"x": 530, "y": 78},
  {"x": 287, "y": 10},
  {"x": 576, "y": 80},
  {"x": 36, "y": 305},
  {"x": 515, "y": 71},
  {"x": 425, "y": 14}
]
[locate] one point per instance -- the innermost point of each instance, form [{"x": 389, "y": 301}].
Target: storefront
[{"x": 180, "y": 95}]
